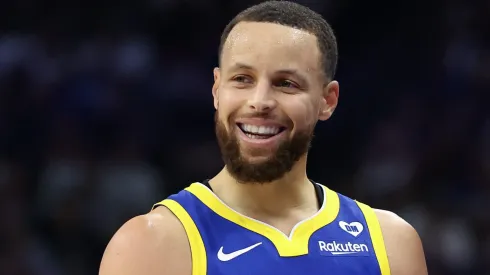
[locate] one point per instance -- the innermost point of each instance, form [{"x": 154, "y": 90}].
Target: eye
[
  {"x": 242, "y": 79},
  {"x": 285, "y": 83}
]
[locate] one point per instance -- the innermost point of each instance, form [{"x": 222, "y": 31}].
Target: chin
[
  {"x": 256, "y": 159},
  {"x": 254, "y": 152}
]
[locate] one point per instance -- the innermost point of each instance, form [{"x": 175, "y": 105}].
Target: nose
[{"x": 262, "y": 99}]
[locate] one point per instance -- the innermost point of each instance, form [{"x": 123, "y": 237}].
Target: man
[{"x": 261, "y": 214}]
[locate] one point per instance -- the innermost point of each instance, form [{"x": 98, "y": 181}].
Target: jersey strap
[
  {"x": 376, "y": 237},
  {"x": 198, "y": 251}
]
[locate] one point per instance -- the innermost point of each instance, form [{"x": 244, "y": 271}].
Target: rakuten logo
[{"x": 337, "y": 248}]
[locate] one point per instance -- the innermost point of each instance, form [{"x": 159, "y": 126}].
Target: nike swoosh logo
[{"x": 224, "y": 257}]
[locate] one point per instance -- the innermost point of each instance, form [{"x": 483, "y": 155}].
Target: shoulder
[
  {"x": 155, "y": 243},
  {"x": 403, "y": 244}
]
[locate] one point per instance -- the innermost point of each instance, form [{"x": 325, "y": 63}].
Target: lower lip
[{"x": 262, "y": 142}]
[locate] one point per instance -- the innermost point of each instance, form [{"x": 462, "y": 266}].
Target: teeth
[
  {"x": 261, "y": 130},
  {"x": 256, "y": 136}
]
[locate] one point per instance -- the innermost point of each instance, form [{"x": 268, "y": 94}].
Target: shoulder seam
[
  {"x": 376, "y": 237},
  {"x": 198, "y": 250}
]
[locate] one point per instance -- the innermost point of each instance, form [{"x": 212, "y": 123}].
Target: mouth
[{"x": 260, "y": 132}]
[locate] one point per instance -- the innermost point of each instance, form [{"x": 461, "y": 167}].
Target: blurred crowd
[{"x": 106, "y": 108}]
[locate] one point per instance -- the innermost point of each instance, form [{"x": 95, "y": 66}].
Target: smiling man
[{"x": 262, "y": 214}]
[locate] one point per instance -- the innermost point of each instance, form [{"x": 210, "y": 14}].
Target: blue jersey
[{"x": 343, "y": 237}]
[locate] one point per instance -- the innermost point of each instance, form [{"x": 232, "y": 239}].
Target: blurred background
[{"x": 106, "y": 108}]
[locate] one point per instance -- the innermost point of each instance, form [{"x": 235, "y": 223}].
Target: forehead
[{"x": 271, "y": 45}]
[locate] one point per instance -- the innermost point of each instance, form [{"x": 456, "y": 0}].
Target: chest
[
  {"x": 336, "y": 240},
  {"x": 243, "y": 252}
]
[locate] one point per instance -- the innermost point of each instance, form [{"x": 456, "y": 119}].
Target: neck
[{"x": 277, "y": 198}]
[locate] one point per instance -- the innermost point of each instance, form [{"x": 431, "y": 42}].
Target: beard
[{"x": 273, "y": 168}]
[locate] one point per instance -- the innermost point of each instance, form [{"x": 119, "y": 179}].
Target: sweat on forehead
[{"x": 266, "y": 41}]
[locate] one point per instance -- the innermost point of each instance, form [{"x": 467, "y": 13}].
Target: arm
[
  {"x": 403, "y": 245},
  {"x": 152, "y": 244}
]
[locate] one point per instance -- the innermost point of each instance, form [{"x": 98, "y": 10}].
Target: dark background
[{"x": 106, "y": 108}]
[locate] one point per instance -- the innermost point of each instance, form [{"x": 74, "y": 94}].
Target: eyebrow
[
  {"x": 293, "y": 72},
  {"x": 239, "y": 65}
]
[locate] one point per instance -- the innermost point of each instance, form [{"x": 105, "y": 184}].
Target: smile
[{"x": 260, "y": 131}]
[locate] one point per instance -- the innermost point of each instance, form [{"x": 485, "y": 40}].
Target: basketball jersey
[{"x": 342, "y": 238}]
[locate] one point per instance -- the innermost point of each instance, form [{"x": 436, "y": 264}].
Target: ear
[
  {"x": 329, "y": 101},
  {"x": 216, "y": 73}
]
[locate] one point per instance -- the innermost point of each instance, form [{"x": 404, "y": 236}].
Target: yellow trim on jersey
[
  {"x": 376, "y": 237},
  {"x": 198, "y": 251},
  {"x": 297, "y": 243}
]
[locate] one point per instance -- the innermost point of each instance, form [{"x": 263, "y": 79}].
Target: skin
[{"x": 283, "y": 78}]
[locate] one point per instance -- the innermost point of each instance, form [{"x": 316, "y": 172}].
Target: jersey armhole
[
  {"x": 198, "y": 250},
  {"x": 376, "y": 237}
]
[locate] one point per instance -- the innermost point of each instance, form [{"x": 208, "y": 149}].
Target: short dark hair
[{"x": 296, "y": 16}]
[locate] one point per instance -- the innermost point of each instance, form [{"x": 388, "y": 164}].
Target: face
[{"x": 269, "y": 93}]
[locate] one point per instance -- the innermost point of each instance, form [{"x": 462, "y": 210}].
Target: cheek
[
  {"x": 227, "y": 106},
  {"x": 303, "y": 114},
  {"x": 228, "y": 103}
]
